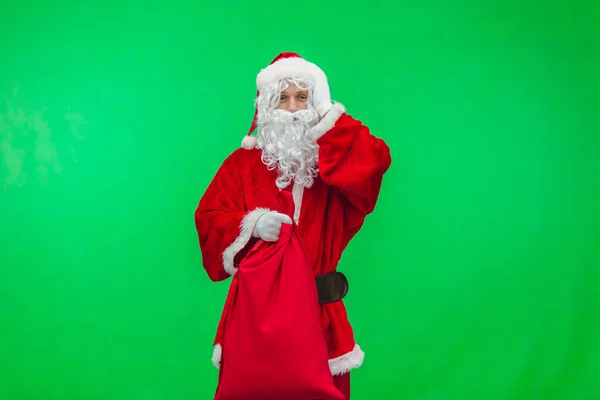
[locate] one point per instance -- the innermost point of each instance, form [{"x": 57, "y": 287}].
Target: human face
[{"x": 293, "y": 99}]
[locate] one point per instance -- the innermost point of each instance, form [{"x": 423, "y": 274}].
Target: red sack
[{"x": 273, "y": 345}]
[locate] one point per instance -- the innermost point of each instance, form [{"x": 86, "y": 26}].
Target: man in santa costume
[{"x": 333, "y": 167}]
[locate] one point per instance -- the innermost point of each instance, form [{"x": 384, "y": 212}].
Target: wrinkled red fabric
[
  {"x": 351, "y": 163},
  {"x": 273, "y": 345}
]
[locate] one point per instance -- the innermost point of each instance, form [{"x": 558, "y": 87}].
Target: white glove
[
  {"x": 268, "y": 226},
  {"x": 321, "y": 94}
]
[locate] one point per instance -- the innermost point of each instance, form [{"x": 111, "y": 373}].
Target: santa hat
[{"x": 285, "y": 65}]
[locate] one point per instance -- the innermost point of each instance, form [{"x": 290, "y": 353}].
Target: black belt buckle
[{"x": 331, "y": 287}]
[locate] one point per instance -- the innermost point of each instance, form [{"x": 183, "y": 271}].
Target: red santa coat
[{"x": 351, "y": 164}]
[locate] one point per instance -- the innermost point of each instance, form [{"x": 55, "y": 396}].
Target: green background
[{"x": 476, "y": 278}]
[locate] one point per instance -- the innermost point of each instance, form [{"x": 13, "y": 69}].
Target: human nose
[{"x": 293, "y": 105}]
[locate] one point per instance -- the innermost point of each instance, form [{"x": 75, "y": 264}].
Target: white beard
[{"x": 286, "y": 146}]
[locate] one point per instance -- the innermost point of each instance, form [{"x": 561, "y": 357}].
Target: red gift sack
[{"x": 273, "y": 345}]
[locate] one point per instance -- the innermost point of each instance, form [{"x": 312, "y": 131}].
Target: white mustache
[{"x": 283, "y": 116}]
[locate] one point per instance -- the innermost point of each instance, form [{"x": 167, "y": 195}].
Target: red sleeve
[
  {"x": 223, "y": 224},
  {"x": 351, "y": 158}
]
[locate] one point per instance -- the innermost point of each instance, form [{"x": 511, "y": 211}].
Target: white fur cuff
[
  {"x": 246, "y": 228},
  {"x": 328, "y": 121},
  {"x": 347, "y": 362}
]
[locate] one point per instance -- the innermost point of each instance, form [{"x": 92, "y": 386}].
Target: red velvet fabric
[
  {"x": 273, "y": 345},
  {"x": 342, "y": 383},
  {"x": 352, "y": 163}
]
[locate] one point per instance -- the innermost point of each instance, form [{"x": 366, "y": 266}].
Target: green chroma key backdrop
[{"x": 476, "y": 278}]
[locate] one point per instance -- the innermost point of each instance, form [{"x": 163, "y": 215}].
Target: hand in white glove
[
  {"x": 321, "y": 93},
  {"x": 268, "y": 226}
]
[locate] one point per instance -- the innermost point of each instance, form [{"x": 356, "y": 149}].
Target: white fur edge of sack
[
  {"x": 327, "y": 123},
  {"x": 338, "y": 366},
  {"x": 246, "y": 227}
]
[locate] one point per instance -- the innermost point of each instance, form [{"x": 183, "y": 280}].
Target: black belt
[{"x": 331, "y": 287}]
